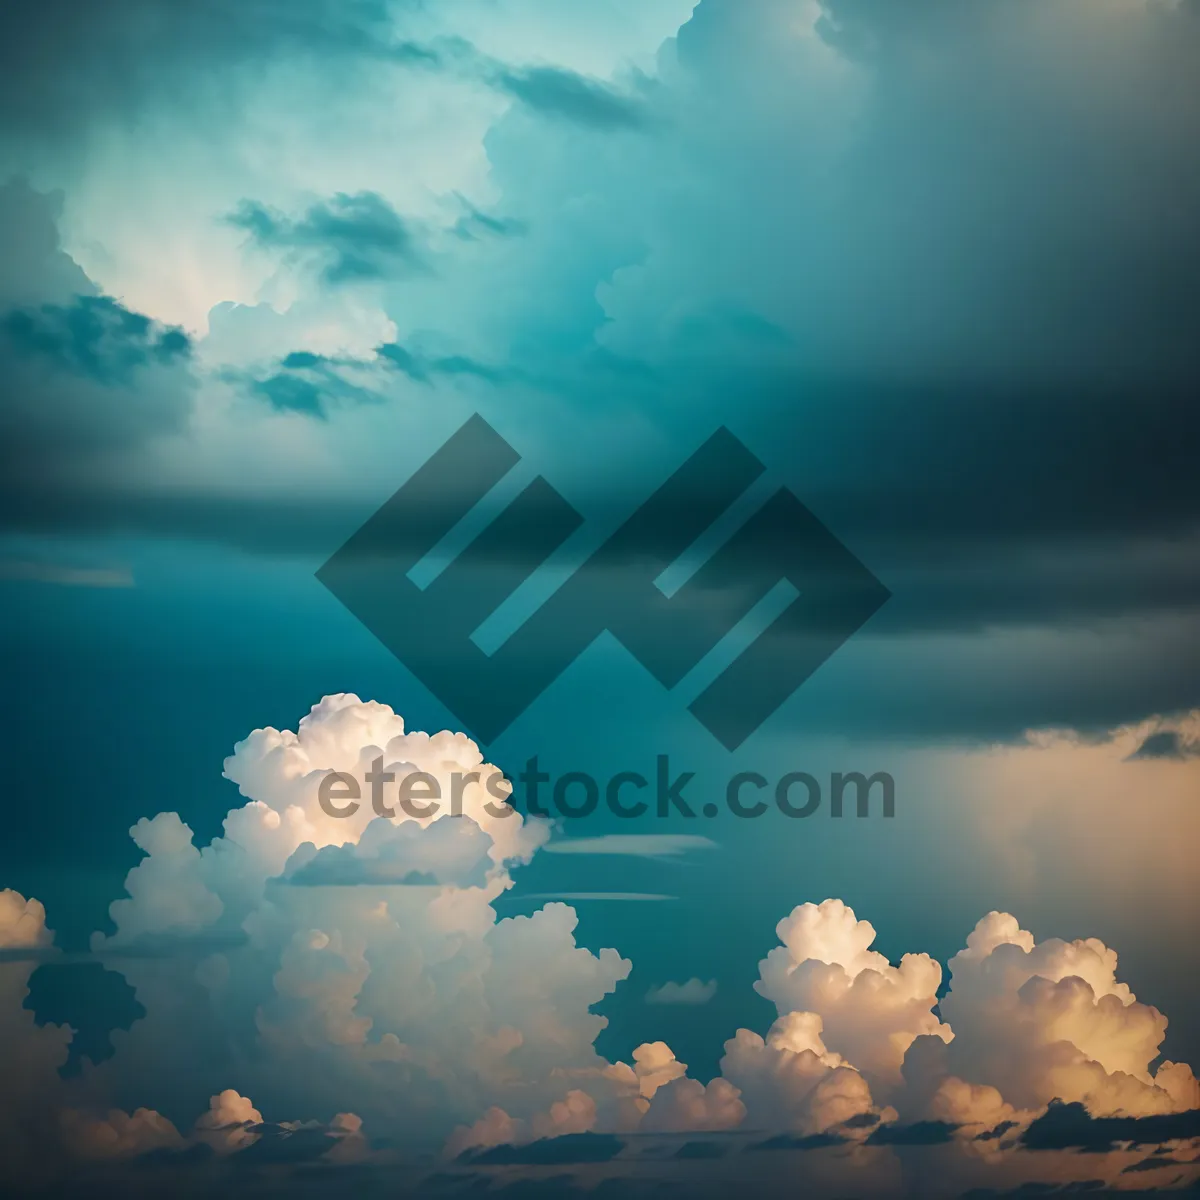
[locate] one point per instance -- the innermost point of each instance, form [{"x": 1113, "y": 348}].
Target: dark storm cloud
[
  {"x": 921, "y": 1133},
  {"x": 1071, "y": 1126},
  {"x": 964, "y": 338},
  {"x": 93, "y": 336},
  {"x": 555, "y": 1151},
  {"x": 66, "y": 64}
]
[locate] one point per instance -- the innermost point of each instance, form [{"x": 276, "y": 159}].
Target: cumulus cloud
[
  {"x": 1050, "y": 1020},
  {"x": 22, "y": 922},
  {"x": 790, "y": 1081},
  {"x": 119, "y": 1134},
  {"x": 686, "y": 1105},
  {"x": 363, "y": 950},
  {"x": 32, "y": 1054},
  {"x": 227, "y": 1125},
  {"x": 871, "y": 1010}
]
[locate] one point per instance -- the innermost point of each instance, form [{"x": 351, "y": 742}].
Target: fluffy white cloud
[
  {"x": 360, "y": 955},
  {"x": 690, "y": 1106},
  {"x": 1050, "y": 1020},
  {"x": 22, "y": 922},
  {"x": 791, "y": 1081},
  {"x": 227, "y": 1125},
  {"x": 119, "y": 1134},
  {"x": 871, "y": 1011},
  {"x": 30, "y": 1088}
]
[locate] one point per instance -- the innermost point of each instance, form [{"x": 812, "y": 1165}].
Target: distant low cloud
[
  {"x": 694, "y": 991},
  {"x": 1168, "y": 744},
  {"x": 572, "y": 897},
  {"x": 635, "y": 845},
  {"x": 66, "y": 576}
]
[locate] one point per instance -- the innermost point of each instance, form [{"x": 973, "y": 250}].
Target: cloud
[
  {"x": 555, "y": 92},
  {"x": 687, "y": 1104},
  {"x": 944, "y": 355},
  {"x": 585, "y": 896},
  {"x": 32, "y": 1053},
  {"x": 694, "y": 991},
  {"x": 66, "y": 576},
  {"x": 870, "y": 1010},
  {"x": 356, "y": 238},
  {"x": 1071, "y": 1126},
  {"x": 448, "y": 851},
  {"x": 228, "y": 1125},
  {"x": 22, "y": 922},
  {"x": 417, "y": 1008},
  {"x": 475, "y": 223},
  {"x": 371, "y": 981},
  {"x": 1036, "y": 802},
  {"x": 93, "y": 336},
  {"x": 118, "y": 1134},
  {"x": 636, "y": 845},
  {"x": 86, "y": 382},
  {"x": 143, "y": 50},
  {"x": 922, "y": 1133},
  {"x": 361, "y": 961},
  {"x": 790, "y": 1081},
  {"x": 1049, "y": 1020},
  {"x": 566, "y": 1148},
  {"x": 1166, "y": 743}
]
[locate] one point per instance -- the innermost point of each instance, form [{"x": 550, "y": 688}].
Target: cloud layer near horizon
[{"x": 383, "y": 1011}]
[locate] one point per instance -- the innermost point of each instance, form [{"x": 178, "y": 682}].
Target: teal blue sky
[{"x": 934, "y": 265}]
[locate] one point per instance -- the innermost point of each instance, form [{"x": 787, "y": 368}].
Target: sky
[{"x": 934, "y": 266}]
